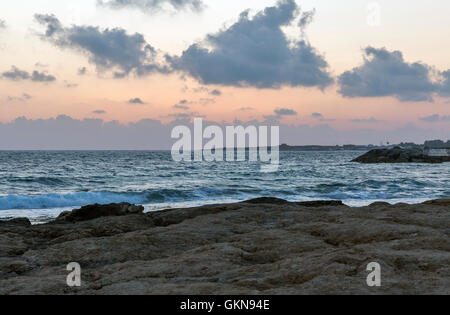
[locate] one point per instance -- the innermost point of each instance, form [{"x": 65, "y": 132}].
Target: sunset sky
[{"x": 347, "y": 65}]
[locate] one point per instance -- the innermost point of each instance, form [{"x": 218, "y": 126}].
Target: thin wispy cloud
[
  {"x": 70, "y": 85},
  {"x": 23, "y": 98},
  {"x": 435, "y": 118},
  {"x": 152, "y": 6},
  {"x": 82, "y": 71},
  {"x": 99, "y": 112}
]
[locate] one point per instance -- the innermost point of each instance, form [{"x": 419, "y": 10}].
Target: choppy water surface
[{"x": 42, "y": 184}]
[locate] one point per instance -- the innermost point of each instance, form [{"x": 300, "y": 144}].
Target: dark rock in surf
[{"x": 96, "y": 211}]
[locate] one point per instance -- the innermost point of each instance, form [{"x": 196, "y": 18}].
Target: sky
[{"x": 330, "y": 72}]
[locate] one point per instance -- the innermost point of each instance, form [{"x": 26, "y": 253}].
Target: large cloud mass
[
  {"x": 109, "y": 49},
  {"x": 444, "y": 88},
  {"x": 386, "y": 73},
  {"x": 256, "y": 52},
  {"x": 153, "y": 5}
]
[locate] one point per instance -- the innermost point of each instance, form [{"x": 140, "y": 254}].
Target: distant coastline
[{"x": 432, "y": 144}]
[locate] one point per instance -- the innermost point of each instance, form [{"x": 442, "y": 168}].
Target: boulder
[{"x": 96, "y": 211}]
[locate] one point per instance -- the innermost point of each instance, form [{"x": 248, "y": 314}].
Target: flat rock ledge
[
  {"x": 263, "y": 246},
  {"x": 399, "y": 155}
]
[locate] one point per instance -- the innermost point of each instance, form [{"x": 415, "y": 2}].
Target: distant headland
[{"x": 428, "y": 145}]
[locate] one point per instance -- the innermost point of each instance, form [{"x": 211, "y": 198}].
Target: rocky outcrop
[
  {"x": 399, "y": 155},
  {"x": 268, "y": 246},
  {"x": 96, "y": 211}
]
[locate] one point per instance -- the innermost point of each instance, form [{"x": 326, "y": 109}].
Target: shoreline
[
  {"x": 10, "y": 214},
  {"x": 261, "y": 246}
]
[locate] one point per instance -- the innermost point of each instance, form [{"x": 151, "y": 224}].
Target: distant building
[
  {"x": 437, "y": 152},
  {"x": 437, "y": 148}
]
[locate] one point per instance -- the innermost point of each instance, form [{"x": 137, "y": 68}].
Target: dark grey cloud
[
  {"x": 386, "y": 73},
  {"x": 185, "y": 116},
  {"x": 40, "y": 65},
  {"x": 280, "y": 113},
  {"x": 42, "y": 77},
  {"x": 285, "y": 112},
  {"x": 255, "y": 52},
  {"x": 136, "y": 100},
  {"x": 316, "y": 115},
  {"x": 109, "y": 49},
  {"x": 435, "y": 118},
  {"x": 2, "y": 24},
  {"x": 206, "y": 101},
  {"x": 153, "y": 5},
  {"x": 16, "y": 74}
]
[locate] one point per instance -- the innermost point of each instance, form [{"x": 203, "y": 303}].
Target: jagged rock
[
  {"x": 96, "y": 211},
  {"x": 398, "y": 155}
]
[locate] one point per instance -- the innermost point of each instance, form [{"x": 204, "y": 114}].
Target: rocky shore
[
  {"x": 263, "y": 246},
  {"x": 399, "y": 155}
]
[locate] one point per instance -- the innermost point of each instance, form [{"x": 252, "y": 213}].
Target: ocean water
[{"x": 39, "y": 185}]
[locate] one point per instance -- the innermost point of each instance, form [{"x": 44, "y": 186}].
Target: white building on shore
[
  {"x": 437, "y": 148},
  {"x": 437, "y": 152}
]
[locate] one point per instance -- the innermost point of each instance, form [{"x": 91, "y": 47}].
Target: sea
[{"x": 40, "y": 185}]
